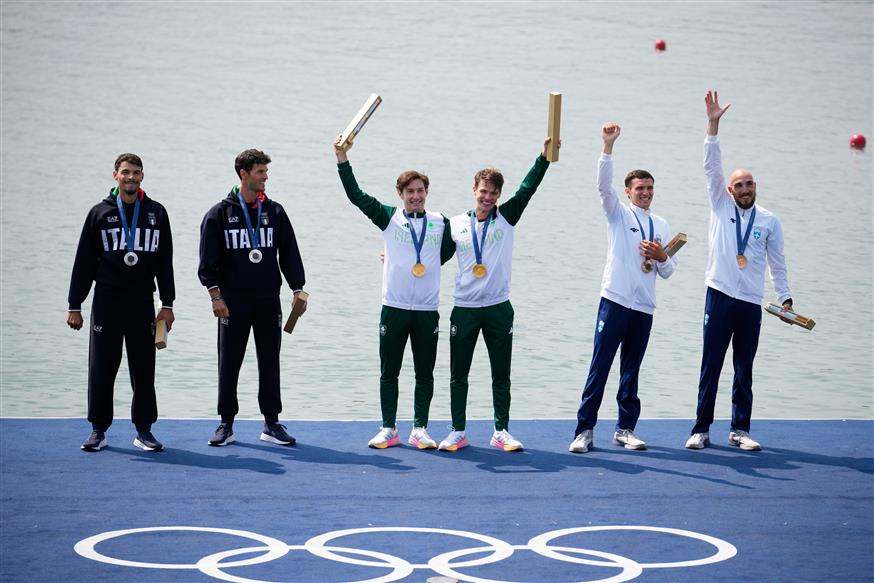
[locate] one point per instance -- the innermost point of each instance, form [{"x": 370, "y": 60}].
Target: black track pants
[
  {"x": 264, "y": 317},
  {"x": 117, "y": 319}
]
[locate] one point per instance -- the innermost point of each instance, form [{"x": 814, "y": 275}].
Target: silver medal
[
  {"x": 255, "y": 256},
  {"x": 130, "y": 258}
]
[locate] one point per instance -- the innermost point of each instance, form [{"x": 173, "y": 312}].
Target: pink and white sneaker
[
  {"x": 503, "y": 440},
  {"x": 387, "y": 437},
  {"x": 454, "y": 441},
  {"x": 420, "y": 438}
]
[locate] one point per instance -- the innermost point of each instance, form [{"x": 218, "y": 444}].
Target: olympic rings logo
[{"x": 215, "y": 565}]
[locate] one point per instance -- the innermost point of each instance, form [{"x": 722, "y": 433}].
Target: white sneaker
[
  {"x": 387, "y": 437},
  {"x": 420, "y": 438},
  {"x": 503, "y": 440},
  {"x": 698, "y": 441},
  {"x": 454, "y": 441},
  {"x": 740, "y": 438},
  {"x": 582, "y": 442},
  {"x": 626, "y": 437}
]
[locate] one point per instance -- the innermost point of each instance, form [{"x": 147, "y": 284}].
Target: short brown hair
[
  {"x": 492, "y": 175},
  {"x": 408, "y": 176},
  {"x": 637, "y": 174},
  {"x": 130, "y": 158},
  {"x": 248, "y": 158}
]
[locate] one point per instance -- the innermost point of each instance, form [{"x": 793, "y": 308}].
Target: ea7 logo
[
  {"x": 97, "y": 328},
  {"x": 233, "y": 219},
  {"x": 112, "y": 219}
]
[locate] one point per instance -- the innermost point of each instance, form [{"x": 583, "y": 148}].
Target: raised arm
[
  {"x": 609, "y": 199},
  {"x": 379, "y": 214},
  {"x": 713, "y": 152},
  {"x": 513, "y": 208}
]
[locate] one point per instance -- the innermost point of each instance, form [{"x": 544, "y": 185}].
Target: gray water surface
[{"x": 188, "y": 85}]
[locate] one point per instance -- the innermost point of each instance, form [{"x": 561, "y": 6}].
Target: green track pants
[
  {"x": 395, "y": 326},
  {"x": 496, "y": 323}
]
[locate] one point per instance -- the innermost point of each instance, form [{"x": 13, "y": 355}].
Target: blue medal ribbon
[
  {"x": 742, "y": 243},
  {"x": 253, "y": 233},
  {"x": 417, "y": 243},
  {"x": 639, "y": 224},
  {"x": 128, "y": 232},
  {"x": 478, "y": 246}
]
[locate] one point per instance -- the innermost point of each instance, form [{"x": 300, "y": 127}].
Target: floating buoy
[
  {"x": 858, "y": 141},
  {"x": 660, "y": 45}
]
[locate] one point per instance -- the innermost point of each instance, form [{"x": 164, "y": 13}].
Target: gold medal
[
  {"x": 418, "y": 270},
  {"x": 479, "y": 270},
  {"x": 741, "y": 261},
  {"x": 646, "y": 266}
]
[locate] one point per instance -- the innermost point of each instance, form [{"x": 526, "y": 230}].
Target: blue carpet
[{"x": 801, "y": 510}]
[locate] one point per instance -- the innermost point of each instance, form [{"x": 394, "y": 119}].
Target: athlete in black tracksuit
[
  {"x": 251, "y": 293},
  {"x": 122, "y": 309}
]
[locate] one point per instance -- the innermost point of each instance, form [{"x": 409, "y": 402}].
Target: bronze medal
[
  {"x": 479, "y": 270},
  {"x": 741, "y": 261},
  {"x": 418, "y": 270},
  {"x": 646, "y": 266}
]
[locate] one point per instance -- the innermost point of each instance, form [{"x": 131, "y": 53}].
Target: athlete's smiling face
[
  {"x": 486, "y": 195},
  {"x": 129, "y": 177},
  {"x": 640, "y": 192},
  {"x": 414, "y": 195},
  {"x": 255, "y": 180},
  {"x": 743, "y": 188}
]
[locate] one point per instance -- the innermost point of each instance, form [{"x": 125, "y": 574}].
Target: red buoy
[
  {"x": 858, "y": 141},
  {"x": 660, "y": 45}
]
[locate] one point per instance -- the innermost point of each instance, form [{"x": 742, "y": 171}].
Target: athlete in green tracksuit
[
  {"x": 417, "y": 243},
  {"x": 484, "y": 244}
]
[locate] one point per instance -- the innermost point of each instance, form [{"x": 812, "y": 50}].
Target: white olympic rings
[{"x": 272, "y": 549}]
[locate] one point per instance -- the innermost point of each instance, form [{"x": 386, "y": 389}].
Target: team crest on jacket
[
  {"x": 264, "y": 220},
  {"x": 152, "y": 219},
  {"x": 757, "y": 234}
]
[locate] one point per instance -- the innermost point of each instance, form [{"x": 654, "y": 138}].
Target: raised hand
[
  {"x": 610, "y": 133},
  {"x": 714, "y": 111},
  {"x": 546, "y": 145},
  {"x": 341, "y": 151}
]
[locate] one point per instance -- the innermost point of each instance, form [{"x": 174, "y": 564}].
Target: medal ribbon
[
  {"x": 421, "y": 240},
  {"x": 479, "y": 245},
  {"x": 253, "y": 233},
  {"x": 128, "y": 232},
  {"x": 742, "y": 243},
  {"x": 639, "y": 224}
]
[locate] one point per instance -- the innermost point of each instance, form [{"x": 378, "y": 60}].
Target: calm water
[{"x": 189, "y": 85}]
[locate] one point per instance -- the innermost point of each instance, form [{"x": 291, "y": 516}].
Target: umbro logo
[
  {"x": 732, "y": 220},
  {"x": 634, "y": 229}
]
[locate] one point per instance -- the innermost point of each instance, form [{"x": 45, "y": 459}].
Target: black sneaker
[
  {"x": 275, "y": 433},
  {"x": 145, "y": 440},
  {"x": 95, "y": 442},
  {"x": 224, "y": 435}
]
